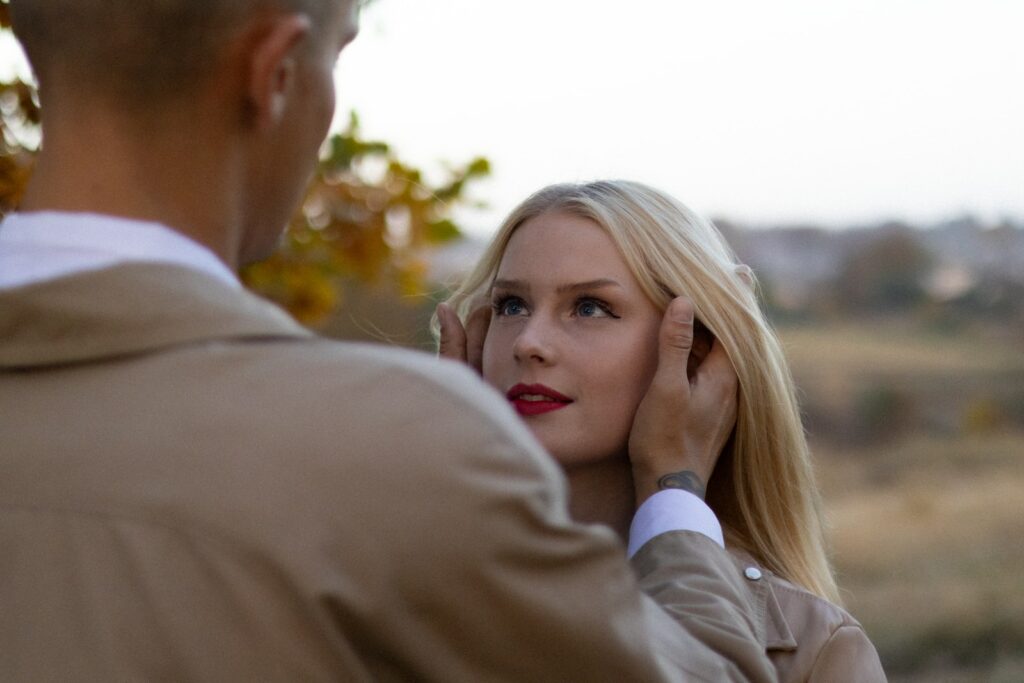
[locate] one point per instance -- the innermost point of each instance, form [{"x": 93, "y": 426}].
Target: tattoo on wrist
[{"x": 685, "y": 480}]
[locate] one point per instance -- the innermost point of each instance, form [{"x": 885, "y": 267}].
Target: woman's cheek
[{"x": 637, "y": 362}]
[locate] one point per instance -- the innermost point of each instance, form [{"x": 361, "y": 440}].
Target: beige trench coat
[{"x": 192, "y": 487}]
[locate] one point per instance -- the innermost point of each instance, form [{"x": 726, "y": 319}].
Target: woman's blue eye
[
  {"x": 509, "y": 306},
  {"x": 590, "y": 308}
]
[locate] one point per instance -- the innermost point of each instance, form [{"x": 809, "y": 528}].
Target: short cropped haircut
[{"x": 137, "y": 50}]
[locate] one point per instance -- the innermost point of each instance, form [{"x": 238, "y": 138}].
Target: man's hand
[
  {"x": 463, "y": 344},
  {"x": 682, "y": 424}
]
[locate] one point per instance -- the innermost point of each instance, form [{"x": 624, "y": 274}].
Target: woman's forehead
[
  {"x": 566, "y": 240},
  {"x": 562, "y": 252}
]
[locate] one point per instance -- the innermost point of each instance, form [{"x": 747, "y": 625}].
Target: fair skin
[
  {"x": 224, "y": 165},
  {"x": 568, "y": 318},
  {"x": 568, "y": 315}
]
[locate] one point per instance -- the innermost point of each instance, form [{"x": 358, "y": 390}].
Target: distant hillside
[{"x": 960, "y": 262}]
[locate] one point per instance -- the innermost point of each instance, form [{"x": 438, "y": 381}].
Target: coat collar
[
  {"x": 771, "y": 629},
  {"x": 127, "y": 310}
]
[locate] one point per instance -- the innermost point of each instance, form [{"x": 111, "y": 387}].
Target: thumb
[
  {"x": 452, "y": 343},
  {"x": 675, "y": 340}
]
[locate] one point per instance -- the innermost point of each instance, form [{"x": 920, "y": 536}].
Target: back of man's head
[{"x": 137, "y": 51}]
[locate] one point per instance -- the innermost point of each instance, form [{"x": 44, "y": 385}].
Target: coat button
[{"x": 752, "y": 573}]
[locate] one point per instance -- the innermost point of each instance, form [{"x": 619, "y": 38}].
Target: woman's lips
[{"x": 535, "y": 399}]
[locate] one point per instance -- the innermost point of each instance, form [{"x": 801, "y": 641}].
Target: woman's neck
[{"x": 602, "y": 493}]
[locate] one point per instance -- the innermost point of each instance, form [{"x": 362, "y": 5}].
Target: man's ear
[{"x": 272, "y": 67}]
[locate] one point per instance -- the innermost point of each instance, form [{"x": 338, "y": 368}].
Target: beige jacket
[
  {"x": 192, "y": 487},
  {"x": 807, "y": 637}
]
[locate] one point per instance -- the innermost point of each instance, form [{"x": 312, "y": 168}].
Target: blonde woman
[{"x": 576, "y": 283}]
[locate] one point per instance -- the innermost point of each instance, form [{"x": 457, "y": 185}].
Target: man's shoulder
[
  {"x": 342, "y": 402},
  {"x": 807, "y": 636},
  {"x": 801, "y": 606},
  {"x": 285, "y": 442},
  {"x": 382, "y": 379},
  {"x": 368, "y": 443},
  {"x": 794, "y": 615}
]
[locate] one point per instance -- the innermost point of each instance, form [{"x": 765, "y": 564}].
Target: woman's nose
[{"x": 534, "y": 343}]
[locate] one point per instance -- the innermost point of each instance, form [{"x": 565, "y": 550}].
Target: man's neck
[
  {"x": 100, "y": 165},
  {"x": 602, "y": 493}
]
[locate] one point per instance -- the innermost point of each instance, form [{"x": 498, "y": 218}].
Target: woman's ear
[
  {"x": 702, "y": 341},
  {"x": 274, "y": 55},
  {"x": 744, "y": 272}
]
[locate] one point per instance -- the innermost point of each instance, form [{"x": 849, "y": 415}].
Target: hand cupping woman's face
[{"x": 573, "y": 338}]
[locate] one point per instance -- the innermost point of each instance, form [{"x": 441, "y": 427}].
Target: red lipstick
[{"x": 535, "y": 399}]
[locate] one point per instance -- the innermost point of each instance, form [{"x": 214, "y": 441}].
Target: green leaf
[
  {"x": 442, "y": 231},
  {"x": 478, "y": 167}
]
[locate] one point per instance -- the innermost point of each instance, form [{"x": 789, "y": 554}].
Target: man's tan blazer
[{"x": 192, "y": 487}]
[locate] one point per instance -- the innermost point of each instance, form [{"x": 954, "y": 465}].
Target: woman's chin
[{"x": 574, "y": 456}]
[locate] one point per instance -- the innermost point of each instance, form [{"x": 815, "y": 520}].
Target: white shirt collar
[{"x": 46, "y": 245}]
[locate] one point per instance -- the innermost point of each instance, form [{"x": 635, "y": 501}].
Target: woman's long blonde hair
[{"x": 763, "y": 488}]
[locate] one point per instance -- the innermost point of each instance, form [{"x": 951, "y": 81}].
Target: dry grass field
[{"x": 927, "y": 506}]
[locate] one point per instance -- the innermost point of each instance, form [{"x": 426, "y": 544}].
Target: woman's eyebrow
[
  {"x": 523, "y": 285},
  {"x": 589, "y": 284},
  {"x": 517, "y": 285}
]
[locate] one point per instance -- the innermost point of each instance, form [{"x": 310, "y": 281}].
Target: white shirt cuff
[{"x": 672, "y": 510}]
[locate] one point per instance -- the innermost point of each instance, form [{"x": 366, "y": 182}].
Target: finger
[
  {"x": 675, "y": 340},
  {"x": 717, "y": 372},
  {"x": 476, "y": 332},
  {"x": 453, "y": 337},
  {"x": 702, "y": 341}
]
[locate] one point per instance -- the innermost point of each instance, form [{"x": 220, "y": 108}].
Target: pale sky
[{"x": 833, "y": 111}]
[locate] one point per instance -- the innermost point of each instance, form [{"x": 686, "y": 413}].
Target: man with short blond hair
[{"x": 193, "y": 487}]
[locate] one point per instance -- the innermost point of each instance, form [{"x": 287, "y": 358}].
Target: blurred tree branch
[
  {"x": 19, "y": 117},
  {"x": 367, "y": 215}
]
